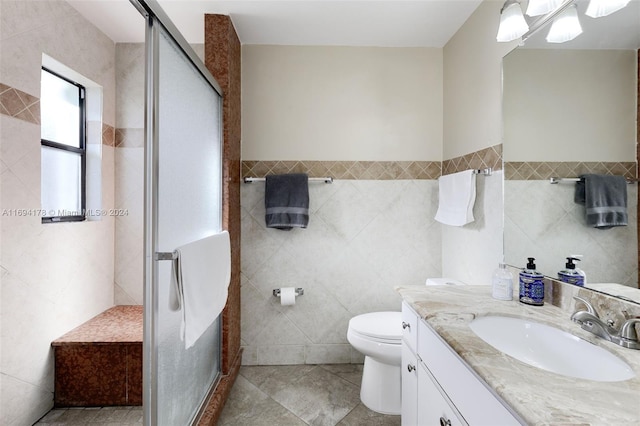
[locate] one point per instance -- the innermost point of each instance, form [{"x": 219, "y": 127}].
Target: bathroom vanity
[
  {"x": 433, "y": 377},
  {"x": 450, "y": 376}
]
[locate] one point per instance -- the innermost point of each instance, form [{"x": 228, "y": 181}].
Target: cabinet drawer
[
  {"x": 434, "y": 408},
  {"x": 409, "y": 370},
  {"x": 410, "y": 321},
  {"x": 477, "y": 404}
]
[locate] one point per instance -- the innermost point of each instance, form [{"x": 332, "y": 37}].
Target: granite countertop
[
  {"x": 538, "y": 396},
  {"x": 120, "y": 324}
]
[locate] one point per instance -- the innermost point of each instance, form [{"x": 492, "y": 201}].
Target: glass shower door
[{"x": 183, "y": 203}]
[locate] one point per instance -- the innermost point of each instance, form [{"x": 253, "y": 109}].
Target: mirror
[{"x": 569, "y": 109}]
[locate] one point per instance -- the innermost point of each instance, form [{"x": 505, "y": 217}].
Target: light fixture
[
  {"x": 566, "y": 26},
  {"x": 512, "y": 23},
  {"x": 542, "y": 7},
  {"x": 599, "y": 8}
]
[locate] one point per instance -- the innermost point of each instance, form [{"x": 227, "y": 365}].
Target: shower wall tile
[
  {"x": 222, "y": 58},
  {"x": 364, "y": 237},
  {"x": 129, "y": 228},
  {"x": 130, "y": 68},
  {"x": 18, "y": 104},
  {"x": 108, "y": 135},
  {"x": 56, "y": 276}
]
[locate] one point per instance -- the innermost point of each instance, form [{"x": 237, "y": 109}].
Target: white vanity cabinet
[
  {"x": 434, "y": 407},
  {"x": 439, "y": 388},
  {"x": 409, "y": 366}
]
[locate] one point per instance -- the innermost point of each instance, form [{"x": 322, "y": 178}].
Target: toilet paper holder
[{"x": 299, "y": 292}]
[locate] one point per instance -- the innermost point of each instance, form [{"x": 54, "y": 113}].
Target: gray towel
[
  {"x": 604, "y": 198},
  {"x": 286, "y": 200}
]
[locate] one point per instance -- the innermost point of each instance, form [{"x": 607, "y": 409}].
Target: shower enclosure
[{"x": 183, "y": 203}]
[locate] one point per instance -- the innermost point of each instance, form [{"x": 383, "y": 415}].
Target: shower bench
[{"x": 99, "y": 363}]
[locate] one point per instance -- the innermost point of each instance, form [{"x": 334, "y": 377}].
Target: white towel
[
  {"x": 457, "y": 195},
  {"x": 200, "y": 282}
]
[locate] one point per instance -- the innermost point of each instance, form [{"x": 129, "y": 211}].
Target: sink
[{"x": 551, "y": 349}]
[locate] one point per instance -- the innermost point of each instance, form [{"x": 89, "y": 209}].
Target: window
[{"x": 63, "y": 148}]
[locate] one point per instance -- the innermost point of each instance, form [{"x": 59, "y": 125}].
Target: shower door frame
[{"x": 154, "y": 16}]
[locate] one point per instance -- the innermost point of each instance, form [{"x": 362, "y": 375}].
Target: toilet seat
[{"x": 381, "y": 327}]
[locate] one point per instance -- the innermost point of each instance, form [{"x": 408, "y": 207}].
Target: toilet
[{"x": 378, "y": 335}]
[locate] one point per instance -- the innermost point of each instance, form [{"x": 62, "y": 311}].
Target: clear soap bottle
[{"x": 502, "y": 283}]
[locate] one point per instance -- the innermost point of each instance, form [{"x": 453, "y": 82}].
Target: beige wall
[
  {"x": 570, "y": 105},
  {"x": 473, "y": 83},
  {"x": 341, "y": 103},
  {"x": 473, "y": 121},
  {"x": 54, "y": 276}
]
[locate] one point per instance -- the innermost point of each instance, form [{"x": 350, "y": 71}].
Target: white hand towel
[
  {"x": 456, "y": 197},
  {"x": 200, "y": 282}
]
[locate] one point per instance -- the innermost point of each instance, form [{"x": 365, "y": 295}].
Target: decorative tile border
[
  {"x": 23, "y": 106},
  {"x": 129, "y": 138},
  {"x": 18, "y": 104},
  {"x": 346, "y": 170},
  {"x": 485, "y": 158},
  {"x": 108, "y": 135},
  {"x": 543, "y": 170}
]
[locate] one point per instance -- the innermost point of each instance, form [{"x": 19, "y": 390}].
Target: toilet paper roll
[{"x": 287, "y": 296}]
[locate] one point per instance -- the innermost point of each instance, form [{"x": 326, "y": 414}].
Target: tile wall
[
  {"x": 364, "y": 237},
  {"x": 558, "y": 229},
  {"x": 370, "y": 230},
  {"x": 129, "y": 174},
  {"x": 471, "y": 253},
  {"x": 54, "y": 276},
  {"x": 542, "y": 221}
]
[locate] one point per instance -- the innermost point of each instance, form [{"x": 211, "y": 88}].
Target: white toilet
[{"x": 377, "y": 335}]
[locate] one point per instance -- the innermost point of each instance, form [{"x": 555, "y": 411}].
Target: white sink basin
[{"x": 551, "y": 349}]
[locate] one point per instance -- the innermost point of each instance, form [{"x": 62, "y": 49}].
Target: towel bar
[
  {"x": 327, "y": 179},
  {"x": 487, "y": 172},
  {"x": 166, "y": 255},
  {"x": 556, "y": 180}
]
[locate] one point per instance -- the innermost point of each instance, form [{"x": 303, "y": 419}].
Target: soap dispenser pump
[
  {"x": 570, "y": 274},
  {"x": 531, "y": 285}
]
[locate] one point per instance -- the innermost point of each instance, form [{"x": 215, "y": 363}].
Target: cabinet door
[
  {"x": 471, "y": 397},
  {"x": 410, "y": 327},
  {"x": 409, "y": 387},
  {"x": 434, "y": 407}
]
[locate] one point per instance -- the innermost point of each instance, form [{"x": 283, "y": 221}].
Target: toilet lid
[{"x": 381, "y": 325}]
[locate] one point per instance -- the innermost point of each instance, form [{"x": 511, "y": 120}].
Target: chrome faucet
[{"x": 590, "y": 320}]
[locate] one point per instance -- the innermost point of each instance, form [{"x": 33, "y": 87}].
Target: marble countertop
[{"x": 538, "y": 396}]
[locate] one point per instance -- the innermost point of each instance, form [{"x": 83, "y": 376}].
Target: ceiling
[{"x": 392, "y": 23}]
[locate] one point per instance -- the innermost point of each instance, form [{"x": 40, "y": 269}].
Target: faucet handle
[
  {"x": 628, "y": 330},
  {"x": 588, "y": 305}
]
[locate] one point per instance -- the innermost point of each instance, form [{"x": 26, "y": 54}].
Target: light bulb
[
  {"x": 600, "y": 8},
  {"x": 565, "y": 26},
  {"x": 512, "y": 23}
]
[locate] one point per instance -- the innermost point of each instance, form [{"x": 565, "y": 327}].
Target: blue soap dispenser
[
  {"x": 531, "y": 285},
  {"x": 570, "y": 274}
]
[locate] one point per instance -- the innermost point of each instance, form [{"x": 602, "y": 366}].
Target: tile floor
[
  {"x": 94, "y": 416},
  {"x": 290, "y": 395},
  {"x": 300, "y": 395}
]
